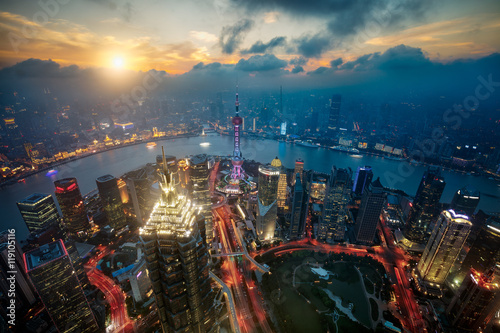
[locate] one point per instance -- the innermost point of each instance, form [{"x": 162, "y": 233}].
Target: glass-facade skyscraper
[
  {"x": 466, "y": 200},
  {"x": 111, "y": 201},
  {"x": 70, "y": 201},
  {"x": 425, "y": 207},
  {"x": 338, "y": 194},
  {"x": 178, "y": 262},
  {"x": 39, "y": 212},
  {"x": 299, "y": 207},
  {"x": 369, "y": 212},
  {"x": 444, "y": 245},
  {"x": 362, "y": 179},
  {"x": 52, "y": 273},
  {"x": 333, "y": 119},
  {"x": 200, "y": 191},
  {"x": 267, "y": 201}
]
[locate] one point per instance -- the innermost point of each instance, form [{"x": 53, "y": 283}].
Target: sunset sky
[{"x": 298, "y": 36}]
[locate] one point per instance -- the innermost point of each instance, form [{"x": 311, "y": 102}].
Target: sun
[{"x": 118, "y": 62}]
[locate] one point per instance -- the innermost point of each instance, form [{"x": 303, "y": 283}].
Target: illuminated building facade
[
  {"x": 362, "y": 179},
  {"x": 109, "y": 193},
  {"x": 338, "y": 194},
  {"x": 178, "y": 262},
  {"x": 52, "y": 273},
  {"x": 466, "y": 200},
  {"x": 333, "y": 119},
  {"x": 71, "y": 204},
  {"x": 267, "y": 201},
  {"x": 475, "y": 303},
  {"x": 485, "y": 252},
  {"x": 200, "y": 191},
  {"x": 282, "y": 185},
  {"x": 425, "y": 208},
  {"x": 237, "y": 172},
  {"x": 122, "y": 187},
  {"x": 299, "y": 169},
  {"x": 39, "y": 212},
  {"x": 369, "y": 212},
  {"x": 139, "y": 183},
  {"x": 299, "y": 207},
  {"x": 444, "y": 245},
  {"x": 184, "y": 173}
]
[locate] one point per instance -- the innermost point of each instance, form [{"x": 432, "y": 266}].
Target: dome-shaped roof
[{"x": 276, "y": 162}]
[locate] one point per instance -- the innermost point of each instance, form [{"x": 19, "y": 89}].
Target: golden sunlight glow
[{"x": 118, "y": 62}]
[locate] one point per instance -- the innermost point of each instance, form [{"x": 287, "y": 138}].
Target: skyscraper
[
  {"x": 338, "y": 194},
  {"x": 362, "y": 179},
  {"x": 111, "y": 201},
  {"x": 333, "y": 119},
  {"x": 485, "y": 252},
  {"x": 178, "y": 262},
  {"x": 39, "y": 212},
  {"x": 53, "y": 275},
  {"x": 71, "y": 203},
  {"x": 299, "y": 169},
  {"x": 444, "y": 245},
  {"x": 425, "y": 208},
  {"x": 282, "y": 184},
  {"x": 369, "y": 212},
  {"x": 267, "y": 201},
  {"x": 297, "y": 222},
  {"x": 475, "y": 303},
  {"x": 200, "y": 192},
  {"x": 466, "y": 200}
]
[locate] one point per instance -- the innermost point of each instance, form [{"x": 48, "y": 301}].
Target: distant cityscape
[{"x": 204, "y": 243}]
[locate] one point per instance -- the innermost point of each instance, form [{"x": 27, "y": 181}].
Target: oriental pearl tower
[{"x": 237, "y": 172}]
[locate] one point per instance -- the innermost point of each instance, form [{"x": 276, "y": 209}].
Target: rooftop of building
[
  {"x": 44, "y": 254},
  {"x": 198, "y": 159},
  {"x": 457, "y": 217},
  {"x": 469, "y": 192},
  {"x": 276, "y": 162},
  {"x": 105, "y": 178},
  {"x": 34, "y": 198}
]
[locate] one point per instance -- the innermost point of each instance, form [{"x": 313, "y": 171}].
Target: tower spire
[{"x": 237, "y": 102}]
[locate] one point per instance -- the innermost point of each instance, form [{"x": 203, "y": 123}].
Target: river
[{"x": 392, "y": 173}]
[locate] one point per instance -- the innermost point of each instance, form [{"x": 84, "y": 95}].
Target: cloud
[
  {"x": 260, "y": 47},
  {"x": 126, "y": 10},
  {"x": 313, "y": 46},
  {"x": 203, "y": 36},
  {"x": 271, "y": 17},
  {"x": 261, "y": 63},
  {"x": 297, "y": 69},
  {"x": 232, "y": 35},
  {"x": 398, "y": 58},
  {"x": 336, "y": 63}
]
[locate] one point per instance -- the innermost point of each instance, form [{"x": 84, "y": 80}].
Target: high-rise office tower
[
  {"x": 39, "y": 212},
  {"x": 178, "y": 262},
  {"x": 466, "y": 200},
  {"x": 200, "y": 192},
  {"x": 425, "y": 208},
  {"x": 369, "y": 212},
  {"x": 71, "y": 204},
  {"x": 484, "y": 252},
  {"x": 122, "y": 187},
  {"x": 444, "y": 245},
  {"x": 109, "y": 193},
  {"x": 282, "y": 185},
  {"x": 139, "y": 183},
  {"x": 338, "y": 195},
  {"x": 184, "y": 174},
  {"x": 267, "y": 201},
  {"x": 171, "y": 165},
  {"x": 475, "y": 303},
  {"x": 24, "y": 295},
  {"x": 333, "y": 119},
  {"x": 53, "y": 275},
  {"x": 362, "y": 179},
  {"x": 299, "y": 169},
  {"x": 297, "y": 221}
]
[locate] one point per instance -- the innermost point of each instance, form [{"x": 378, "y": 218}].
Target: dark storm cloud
[
  {"x": 260, "y": 47},
  {"x": 313, "y": 46},
  {"x": 398, "y": 58},
  {"x": 36, "y": 68},
  {"x": 299, "y": 61},
  {"x": 232, "y": 35},
  {"x": 297, "y": 69},
  {"x": 260, "y": 63},
  {"x": 336, "y": 63},
  {"x": 343, "y": 18}
]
